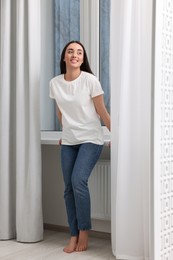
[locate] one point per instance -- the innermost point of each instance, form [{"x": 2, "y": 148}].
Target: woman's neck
[{"x": 72, "y": 75}]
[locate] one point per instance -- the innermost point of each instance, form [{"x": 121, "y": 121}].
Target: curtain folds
[
  {"x": 130, "y": 69},
  {"x": 20, "y": 148}
]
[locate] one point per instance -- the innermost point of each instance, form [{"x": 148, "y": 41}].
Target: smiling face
[{"x": 74, "y": 56}]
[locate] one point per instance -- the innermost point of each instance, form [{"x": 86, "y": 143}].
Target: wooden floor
[{"x": 51, "y": 248}]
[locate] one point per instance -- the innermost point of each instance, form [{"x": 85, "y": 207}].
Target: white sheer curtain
[
  {"x": 20, "y": 151},
  {"x": 130, "y": 65}
]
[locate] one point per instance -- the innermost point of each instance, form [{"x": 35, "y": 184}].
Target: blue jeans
[{"x": 77, "y": 162}]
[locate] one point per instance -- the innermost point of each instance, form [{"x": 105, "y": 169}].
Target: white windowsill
[{"x": 52, "y": 137}]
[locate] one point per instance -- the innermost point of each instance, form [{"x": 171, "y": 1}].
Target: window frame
[{"x": 89, "y": 31}]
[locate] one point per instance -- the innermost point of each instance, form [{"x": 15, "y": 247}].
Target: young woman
[{"x": 80, "y": 109}]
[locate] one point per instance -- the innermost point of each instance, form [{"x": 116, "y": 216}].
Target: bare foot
[
  {"x": 71, "y": 247},
  {"x": 82, "y": 241}
]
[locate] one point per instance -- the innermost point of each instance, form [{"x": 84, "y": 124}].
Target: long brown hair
[{"x": 84, "y": 66}]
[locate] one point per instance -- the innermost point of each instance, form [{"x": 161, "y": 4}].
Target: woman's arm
[
  {"x": 102, "y": 111},
  {"x": 59, "y": 115}
]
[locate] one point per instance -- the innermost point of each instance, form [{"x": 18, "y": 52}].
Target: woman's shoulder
[
  {"x": 89, "y": 76},
  {"x": 56, "y": 78}
]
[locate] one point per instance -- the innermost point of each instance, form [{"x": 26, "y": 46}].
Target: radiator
[{"x": 100, "y": 190}]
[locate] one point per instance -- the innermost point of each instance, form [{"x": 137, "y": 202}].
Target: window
[{"x": 62, "y": 21}]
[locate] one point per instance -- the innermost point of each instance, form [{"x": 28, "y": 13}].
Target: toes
[
  {"x": 80, "y": 248},
  {"x": 71, "y": 246},
  {"x": 68, "y": 250}
]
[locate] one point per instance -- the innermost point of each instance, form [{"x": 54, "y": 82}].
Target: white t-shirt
[{"x": 80, "y": 121}]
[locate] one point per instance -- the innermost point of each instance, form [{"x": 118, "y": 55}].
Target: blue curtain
[
  {"x": 104, "y": 49},
  {"x": 67, "y": 26}
]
